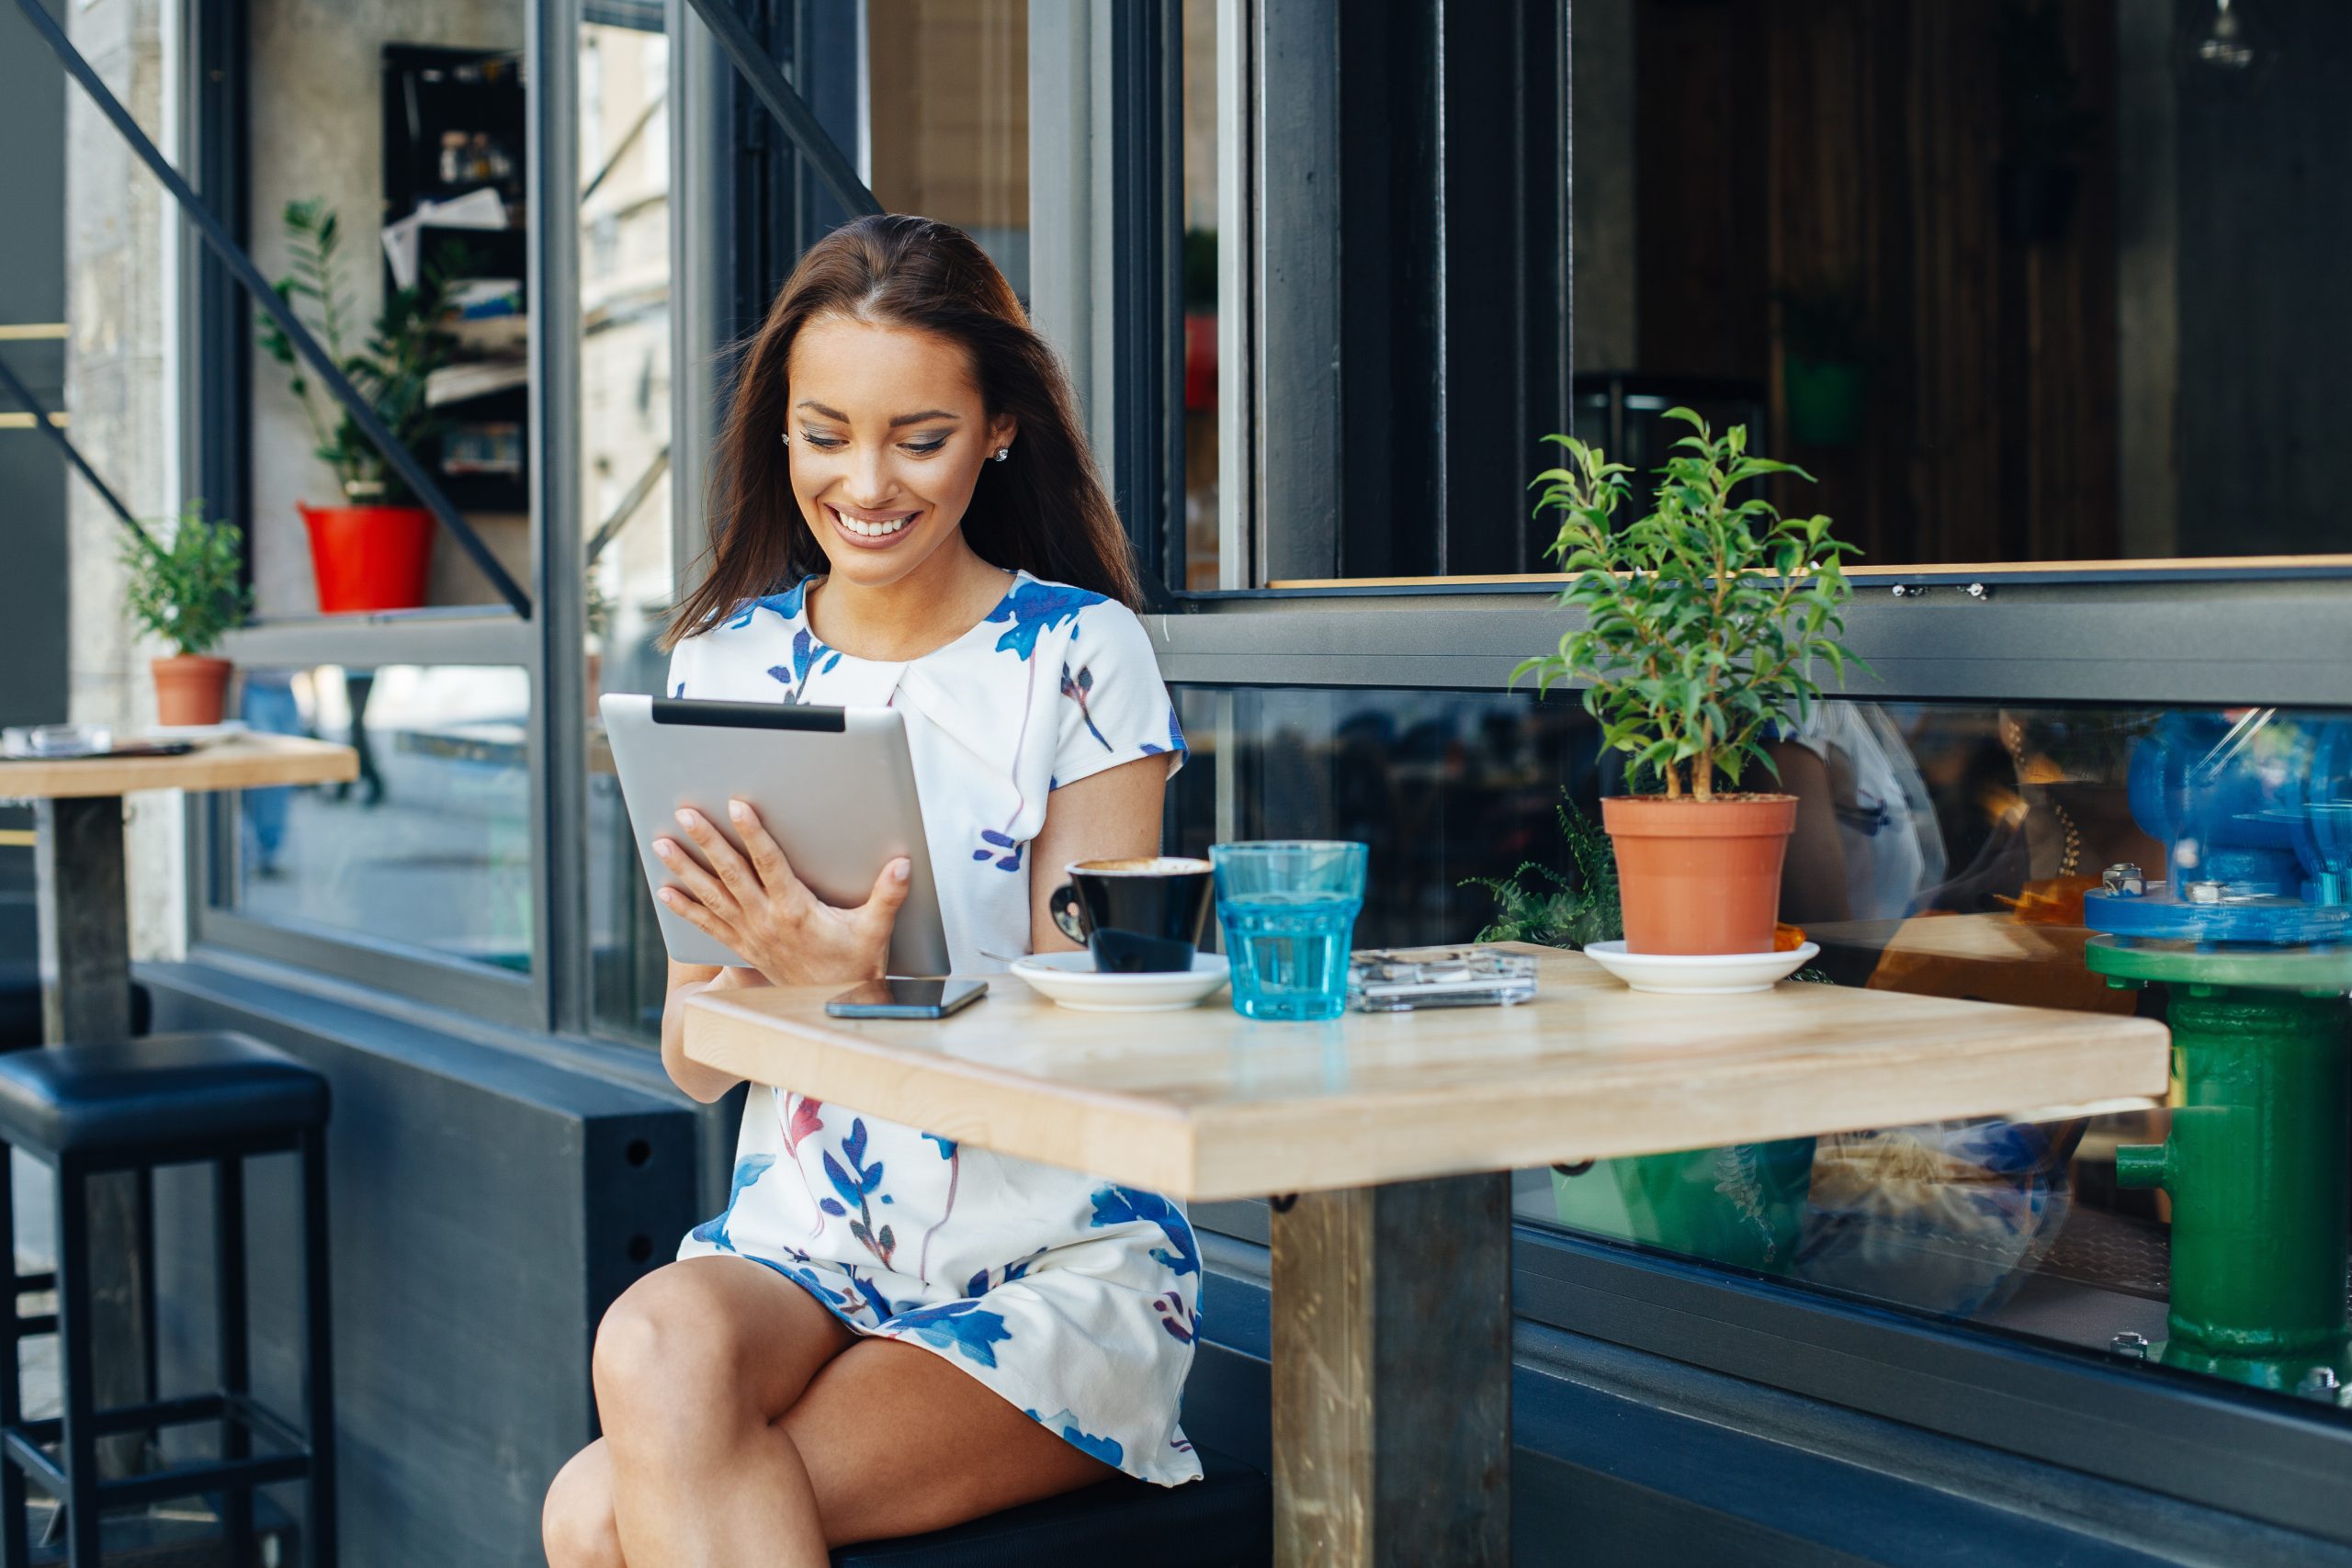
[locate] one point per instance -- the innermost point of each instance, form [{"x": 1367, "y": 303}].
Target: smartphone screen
[{"x": 898, "y": 998}]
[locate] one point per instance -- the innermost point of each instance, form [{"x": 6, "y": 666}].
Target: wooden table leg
[
  {"x": 85, "y": 997},
  {"x": 1392, "y": 1376}
]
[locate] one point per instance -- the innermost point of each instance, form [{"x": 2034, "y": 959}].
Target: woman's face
[{"x": 889, "y": 434}]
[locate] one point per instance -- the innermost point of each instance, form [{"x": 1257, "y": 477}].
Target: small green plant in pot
[
  {"x": 1699, "y": 626},
  {"x": 189, "y": 590},
  {"x": 373, "y": 551}
]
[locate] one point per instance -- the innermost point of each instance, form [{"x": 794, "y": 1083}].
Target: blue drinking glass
[{"x": 1288, "y": 910}]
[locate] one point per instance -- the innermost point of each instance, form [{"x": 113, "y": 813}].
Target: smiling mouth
[{"x": 882, "y": 527}]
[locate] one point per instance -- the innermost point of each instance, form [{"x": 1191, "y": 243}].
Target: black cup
[{"x": 1137, "y": 916}]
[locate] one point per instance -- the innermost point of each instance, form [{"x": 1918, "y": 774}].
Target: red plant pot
[
  {"x": 1699, "y": 877},
  {"x": 369, "y": 557}
]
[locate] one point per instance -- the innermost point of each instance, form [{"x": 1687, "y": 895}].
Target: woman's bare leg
[
  {"x": 576, "y": 1524},
  {"x": 693, "y": 1367},
  {"x": 894, "y": 1440}
]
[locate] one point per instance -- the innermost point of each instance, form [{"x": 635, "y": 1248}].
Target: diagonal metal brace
[
  {"x": 24, "y": 394},
  {"x": 397, "y": 457},
  {"x": 791, "y": 110}
]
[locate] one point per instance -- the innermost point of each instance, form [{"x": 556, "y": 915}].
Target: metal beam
[
  {"x": 766, "y": 78},
  {"x": 42, "y": 422},
  {"x": 397, "y": 457}
]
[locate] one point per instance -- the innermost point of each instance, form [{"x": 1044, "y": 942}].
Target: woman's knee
[
  {"x": 576, "y": 1522},
  {"x": 667, "y": 1345}
]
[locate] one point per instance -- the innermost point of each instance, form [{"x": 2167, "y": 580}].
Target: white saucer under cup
[
  {"x": 1700, "y": 974},
  {"x": 1070, "y": 980}
]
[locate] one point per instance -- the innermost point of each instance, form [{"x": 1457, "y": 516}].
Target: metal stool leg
[
  {"x": 73, "y": 1333},
  {"x": 317, "y": 1328},
  {"x": 236, "y": 1383},
  {"x": 16, "y": 1551}
]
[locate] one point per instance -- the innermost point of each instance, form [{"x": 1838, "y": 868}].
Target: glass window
[
  {"x": 1942, "y": 849},
  {"x": 406, "y": 126},
  {"x": 2032, "y": 281},
  {"x": 430, "y": 846},
  {"x": 1203, "y": 521},
  {"x": 947, "y": 119},
  {"x": 626, "y": 566}
]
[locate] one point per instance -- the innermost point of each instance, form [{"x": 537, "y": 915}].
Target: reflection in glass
[
  {"x": 1952, "y": 851},
  {"x": 626, "y": 535},
  {"x": 1200, "y": 273},
  {"x": 2019, "y": 281},
  {"x": 431, "y": 846},
  {"x": 948, "y": 118}
]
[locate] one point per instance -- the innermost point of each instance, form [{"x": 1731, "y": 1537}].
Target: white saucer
[
  {"x": 1071, "y": 979},
  {"x": 1700, "y": 974}
]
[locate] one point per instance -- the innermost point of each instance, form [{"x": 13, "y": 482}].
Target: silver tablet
[{"x": 835, "y": 787}]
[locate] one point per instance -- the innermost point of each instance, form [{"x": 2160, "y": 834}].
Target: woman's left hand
[{"x": 758, "y": 907}]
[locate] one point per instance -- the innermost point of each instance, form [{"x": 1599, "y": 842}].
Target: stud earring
[
  {"x": 1002, "y": 452},
  {"x": 787, "y": 438}
]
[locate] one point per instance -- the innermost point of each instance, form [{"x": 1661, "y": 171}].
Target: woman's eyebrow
[{"x": 816, "y": 407}]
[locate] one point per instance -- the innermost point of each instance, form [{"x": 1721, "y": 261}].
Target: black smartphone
[{"x": 896, "y": 997}]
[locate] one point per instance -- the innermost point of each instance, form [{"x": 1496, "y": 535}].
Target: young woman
[{"x": 885, "y": 1332}]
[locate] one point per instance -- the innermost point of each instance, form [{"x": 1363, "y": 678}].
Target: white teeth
[{"x": 871, "y": 530}]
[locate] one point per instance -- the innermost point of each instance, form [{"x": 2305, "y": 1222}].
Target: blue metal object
[{"x": 2256, "y": 814}]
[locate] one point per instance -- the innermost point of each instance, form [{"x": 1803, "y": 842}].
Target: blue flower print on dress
[
  {"x": 1076, "y": 688},
  {"x": 856, "y": 1183},
  {"x": 1125, "y": 1205},
  {"x": 1175, "y": 738},
  {"x": 787, "y": 604},
  {"x": 1108, "y": 1449},
  {"x": 988, "y": 1280},
  {"x": 748, "y": 1169},
  {"x": 1181, "y": 1321},
  {"x": 961, "y": 1326},
  {"x": 832, "y": 1301},
  {"x": 1001, "y": 848},
  {"x": 1034, "y": 607},
  {"x": 681, "y": 691}
]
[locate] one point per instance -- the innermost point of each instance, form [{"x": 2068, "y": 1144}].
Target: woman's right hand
[{"x": 759, "y": 908}]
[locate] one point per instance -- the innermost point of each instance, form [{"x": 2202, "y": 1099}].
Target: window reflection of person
[
  {"x": 1866, "y": 837},
  {"x": 1952, "y": 1217}
]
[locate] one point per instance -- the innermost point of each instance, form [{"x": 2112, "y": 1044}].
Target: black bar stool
[
  {"x": 132, "y": 1105},
  {"x": 1225, "y": 1519}
]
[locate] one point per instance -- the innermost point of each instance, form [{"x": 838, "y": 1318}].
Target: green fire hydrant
[{"x": 2257, "y": 1163}]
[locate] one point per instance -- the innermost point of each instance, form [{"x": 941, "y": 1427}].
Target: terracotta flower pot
[
  {"x": 1700, "y": 876},
  {"x": 189, "y": 688}
]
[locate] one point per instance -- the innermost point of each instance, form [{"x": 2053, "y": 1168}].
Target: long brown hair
[{"x": 1042, "y": 510}]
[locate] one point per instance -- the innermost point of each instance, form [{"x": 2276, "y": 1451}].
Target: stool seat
[
  {"x": 155, "y": 1092},
  {"x": 1225, "y": 1519}
]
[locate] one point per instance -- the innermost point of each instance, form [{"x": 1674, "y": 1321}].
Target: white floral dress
[{"x": 1074, "y": 1298}]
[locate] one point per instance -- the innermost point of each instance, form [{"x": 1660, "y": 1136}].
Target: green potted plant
[
  {"x": 189, "y": 591},
  {"x": 1826, "y": 357},
  {"x": 372, "y": 552},
  {"x": 1700, "y": 624}
]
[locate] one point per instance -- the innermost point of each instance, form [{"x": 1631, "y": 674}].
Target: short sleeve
[
  {"x": 1113, "y": 706},
  {"x": 683, "y": 658}
]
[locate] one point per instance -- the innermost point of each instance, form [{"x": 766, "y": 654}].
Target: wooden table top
[
  {"x": 1205, "y": 1104},
  {"x": 238, "y": 761}
]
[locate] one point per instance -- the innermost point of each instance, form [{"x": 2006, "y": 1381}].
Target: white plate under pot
[
  {"x": 1071, "y": 980},
  {"x": 1700, "y": 974}
]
